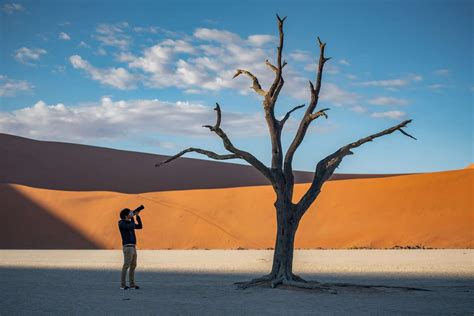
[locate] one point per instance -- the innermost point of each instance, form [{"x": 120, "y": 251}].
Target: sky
[{"x": 145, "y": 76}]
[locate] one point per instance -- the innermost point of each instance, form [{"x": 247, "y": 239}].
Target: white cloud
[
  {"x": 101, "y": 52},
  {"x": 113, "y": 35},
  {"x": 211, "y": 67},
  {"x": 9, "y": 8},
  {"x": 352, "y": 77},
  {"x": 110, "y": 119},
  {"x": 142, "y": 30},
  {"x": 437, "y": 86},
  {"x": 59, "y": 69},
  {"x": 202, "y": 67},
  {"x": 208, "y": 61},
  {"x": 194, "y": 91},
  {"x": 159, "y": 143},
  {"x": 389, "y": 114},
  {"x": 155, "y": 61},
  {"x": 211, "y": 21},
  {"x": 125, "y": 57},
  {"x": 150, "y": 29},
  {"x": 358, "y": 109},
  {"x": 260, "y": 39},
  {"x": 442, "y": 72},
  {"x": 191, "y": 74},
  {"x": 220, "y": 36},
  {"x": 63, "y": 36},
  {"x": 300, "y": 55},
  {"x": 312, "y": 67},
  {"x": 388, "y": 101},
  {"x": 328, "y": 68},
  {"x": 331, "y": 69},
  {"x": 26, "y": 55},
  {"x": 330, "y": 92},
  {"x": 84, "y": 44},
  {"x": 107, "y": 29},
  {"x": 344, "y": 62},
  {"x": 118, "y": 78},
  {"x": 392, "y": 83},
  {"x": 179, "y": 46},
  {"x": 11, "y": 87}
]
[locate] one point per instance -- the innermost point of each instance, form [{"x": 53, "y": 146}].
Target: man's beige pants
[{"x": 129, "y": 262}]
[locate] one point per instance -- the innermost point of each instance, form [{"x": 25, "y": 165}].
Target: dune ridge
[
  {"x": 74, "y": 167},
  {"x": 424, "y": 210}
]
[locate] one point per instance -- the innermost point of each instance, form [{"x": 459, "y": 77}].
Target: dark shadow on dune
[
  {"x": 73, "y": 167},
  {"x": 58, "y": 291},
  {"x": 30, "y": 226}
]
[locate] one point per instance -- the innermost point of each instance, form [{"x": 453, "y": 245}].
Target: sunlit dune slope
[{"x": 429, "y": 210}]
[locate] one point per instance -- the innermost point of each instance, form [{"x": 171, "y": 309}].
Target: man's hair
[{"x": 124, "y": 213}]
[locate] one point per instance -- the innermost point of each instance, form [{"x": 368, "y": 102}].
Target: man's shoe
[
  {"x": 135, "y": 287},
  {"x": 124, "y": 287}
]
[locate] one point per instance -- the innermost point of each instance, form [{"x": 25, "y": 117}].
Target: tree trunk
[{"x": 287, "y": 224}]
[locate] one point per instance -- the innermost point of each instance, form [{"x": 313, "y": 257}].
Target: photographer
[{"x": 127, "y": 228}]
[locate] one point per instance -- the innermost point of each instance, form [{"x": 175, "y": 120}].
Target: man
[{"x": 127, "y": 228}]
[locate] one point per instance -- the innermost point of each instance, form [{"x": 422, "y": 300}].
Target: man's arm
[
  {"x": 125, "y": 225},
  {"x": 138, "y": 225}
]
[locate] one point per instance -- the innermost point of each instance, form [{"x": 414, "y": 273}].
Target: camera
[{"x": 137, "y": 210}]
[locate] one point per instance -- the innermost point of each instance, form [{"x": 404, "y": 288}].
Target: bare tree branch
[
  {"x": 218, "y": 120},
  {"x": 208, "y": 153},
  {"x": 256, "y": 85},
  {"x": 278, "y": 82},
  {"x": 251, "y": 159},
  {"x": 406, "y": 134},
  {"x": 311, "y": 86},
  {"x": 272, "y": 67},
  {"x": 236, "y": 153},
  {"x": 274, "y": 126},
  {"x": 321, "y": 112},
  {"x": 326, "y": 167},
  {"x": 278, "y": 89},
  {"x": 307, "y": 118},
  {"x": 319, "y": 77},
  {"x": 287, "y": 115}
]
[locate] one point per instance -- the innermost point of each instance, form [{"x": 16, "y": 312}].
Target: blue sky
[{"x": 145, "y": 75}]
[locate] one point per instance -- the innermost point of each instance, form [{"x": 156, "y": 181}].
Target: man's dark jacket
[{"x": 127, "y": 230}]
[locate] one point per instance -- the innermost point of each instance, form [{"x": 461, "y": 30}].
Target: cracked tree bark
[{"x": 280, "y": 174}]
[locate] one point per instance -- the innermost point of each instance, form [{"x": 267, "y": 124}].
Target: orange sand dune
[{"x": 429, "y": 210}]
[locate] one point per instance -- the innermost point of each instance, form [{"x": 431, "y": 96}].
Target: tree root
[
  {"x": 266, "y": 279},
  {"x": 296, "y": 282},
  {"x": 269, "y": 280}
]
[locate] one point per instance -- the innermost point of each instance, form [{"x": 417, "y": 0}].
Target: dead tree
[{"x": 280, "y": 174}]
